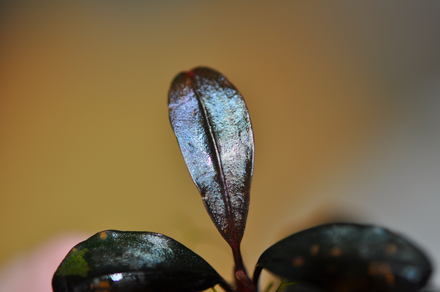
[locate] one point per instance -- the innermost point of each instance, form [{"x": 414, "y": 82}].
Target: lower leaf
[
  {"x": 348, "y": 257},
  {"x": 118, "y": 261}
]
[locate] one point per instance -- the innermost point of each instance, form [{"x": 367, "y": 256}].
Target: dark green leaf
[
  {"x": 118, "y": 261},
  {"x": 213, "y": 129},
  {"x": 349, "y": 257}
]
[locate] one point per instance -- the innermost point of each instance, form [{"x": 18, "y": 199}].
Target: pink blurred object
[{"x": 32, "y": 271}]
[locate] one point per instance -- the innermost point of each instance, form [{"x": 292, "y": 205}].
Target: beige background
[{"x": 333, "y": 90}]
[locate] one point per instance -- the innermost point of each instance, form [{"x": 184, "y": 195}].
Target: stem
[{"x": 242, "y": 279}]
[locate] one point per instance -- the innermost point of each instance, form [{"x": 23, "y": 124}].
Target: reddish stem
[{"x": 242, "y": 280}]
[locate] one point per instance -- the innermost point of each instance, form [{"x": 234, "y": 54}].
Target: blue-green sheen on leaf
[
  {"x": 349, "y": 257},
  {"x": 118, "y": 261},
  {"x": 213, "y": 129}
]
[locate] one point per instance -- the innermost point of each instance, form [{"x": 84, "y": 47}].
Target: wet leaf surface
[
  {"x": 349, "y": 257},
  {"x": 213, "y": 129},
  {"x": 118, "y": 261}
]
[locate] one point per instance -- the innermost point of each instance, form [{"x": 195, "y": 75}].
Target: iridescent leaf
[
  {"x": 349, "y": 257},
  {"x": 118, "y": 261},
  {"x": 213, "y": 129}
]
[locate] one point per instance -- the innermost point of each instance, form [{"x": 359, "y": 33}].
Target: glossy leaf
[
  {"x": 213, "y": 129},
  {"x": 118, "y": 261},
  {"x": 349, "y": 257}
]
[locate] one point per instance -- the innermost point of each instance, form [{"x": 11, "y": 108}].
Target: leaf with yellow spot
[
  {"x": 348, "y": 257},
  {"x": 115, "y": 261},
  {"x": 74, "y": 264}
]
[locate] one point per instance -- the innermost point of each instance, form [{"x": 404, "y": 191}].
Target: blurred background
[{"x": 343, "y": 95}]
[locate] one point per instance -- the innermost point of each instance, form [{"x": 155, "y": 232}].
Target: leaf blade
[
  {"x": 356, "y": 257},
  {"x": 132, "y": 261},
  {"x": 212, "y": 125}
]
